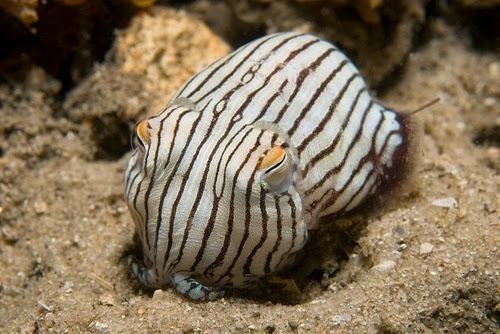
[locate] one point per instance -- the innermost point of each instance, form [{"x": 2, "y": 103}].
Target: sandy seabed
[{"x": 425, "y": 260}]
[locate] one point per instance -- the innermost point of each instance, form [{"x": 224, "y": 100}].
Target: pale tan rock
[
  {"x": 23, "y": 10},
  {"x": 149, "y": 61},
  {"x": 165, "y": 48},
  {"x": 159, "y": 51}
]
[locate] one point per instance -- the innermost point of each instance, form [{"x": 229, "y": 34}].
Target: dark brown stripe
[
  {"x": 247, "y": 101},
  {"x": 167, "y": 185},
  {"x": 152, "y": 180},
  {"x": 246, "y": 232},
  {"x": 230, "y": 74},
  {"x": 293, "y": 215},
  {"x": 213, "y": 214},
  {"x": 339, "y": 166},
  {"x": 198, "y": 195},
  {"x": 223, "y": 252},
  {"x": 343, "y": 209},
  {"x": 224, "y": 63},
  {"x": 130, "y": 183},
  {"x": 328, "y": 115},
  {"x": 389, "y": 135},
  {"x": 134, "y": 205},
  {"x": 301, "y": 78},
  {"x": 315, "y": 96},
  {"x": 230, "y": 222},
  {"x": 167, "y": 162},
  {"x": 261, "y": 113},
  {"x": 368, "y": 156},
  {"x": 346, "y": 121},
  {"x": 267, "y": 267},
  {"x": 263, "y": 237}
]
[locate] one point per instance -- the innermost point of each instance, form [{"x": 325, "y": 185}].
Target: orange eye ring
[
  {"x": 273, "y": 157},
  {"x": 275, "y": 168},
  {"x": 143, "y": 131}
]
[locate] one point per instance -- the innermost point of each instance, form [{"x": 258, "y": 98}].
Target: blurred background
[{"x": 66, "y": 37}]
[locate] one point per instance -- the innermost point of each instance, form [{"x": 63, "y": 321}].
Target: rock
[
  {"x": 24, "y": 11},
  {"x": 159, "y": 294},
  {"x": 293, "y": 324},
  {"x": 384, "y": 266},
  {"x": 187, "y": 329},
  {"x": 40, "y": 207},
  {"x": 150, "y": 60},
  {"x": 426, "y": 248},
  {"x": 68, "y": 287},
  {"x": 44, "y": 307},
  {"x": 341, "y": 318},
  {"x": 165, "y": 48},
  {"x": 269, "y": 329},
  {"x": 462, "y": 213},
  {"x": 9, "y": 235},
  {"x": 107, "y": 299},
  {"x": 447, "y": 202},
  {"x": 141, "y": 310},
  {"x": 100, "y": 327}
]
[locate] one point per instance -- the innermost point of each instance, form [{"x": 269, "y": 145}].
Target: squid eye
[
  {"x": 275, "y": 169},
  {"x": 140, "y": 134},
  {"x": 143, "y": 133}
]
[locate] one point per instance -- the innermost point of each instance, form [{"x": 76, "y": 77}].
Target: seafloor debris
[
  {"x": 150, "y": 59},
  {"x": 426, "y": 248},
  {"x": 448, "y": 202},
  {"x": 142, "y": 3},
  {"x": 367, "y": 9},
  {"x": 23, "y": 10},
  {"x": 379, "y": 42},
  {"x": 479, "y": 3}
]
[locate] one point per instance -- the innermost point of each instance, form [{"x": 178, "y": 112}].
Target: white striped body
[{"x": 195, "y": 190}]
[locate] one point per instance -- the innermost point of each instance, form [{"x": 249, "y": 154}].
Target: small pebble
[
  {"x": 187, "y": 329},
  {"x": 68, "y": 287},
  {"x": 158, "y": 294},
  {"x": 293, "y": 324},
  {"x": 402, "y": 247},
  {"x": 40, "y": 207},
  {"x": 489, "y": 101},
  {"x": 269, "y": 329},
  {"x": 141, "y": 310},
  {"x": 50, "y": 319},
  {"x": 447, "y": 202},
  {"x": 9, "y": 235},
  {"x": 341, "y": 318},
  {"x": 101, "y": 327},
  {"x": 426, "y": 248},
  {"x": 44, "y": 306},
  {"x": 384, "y": 266},
  {"x": 107, "y": 299},
  {"x": 494, "y": 68}
]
